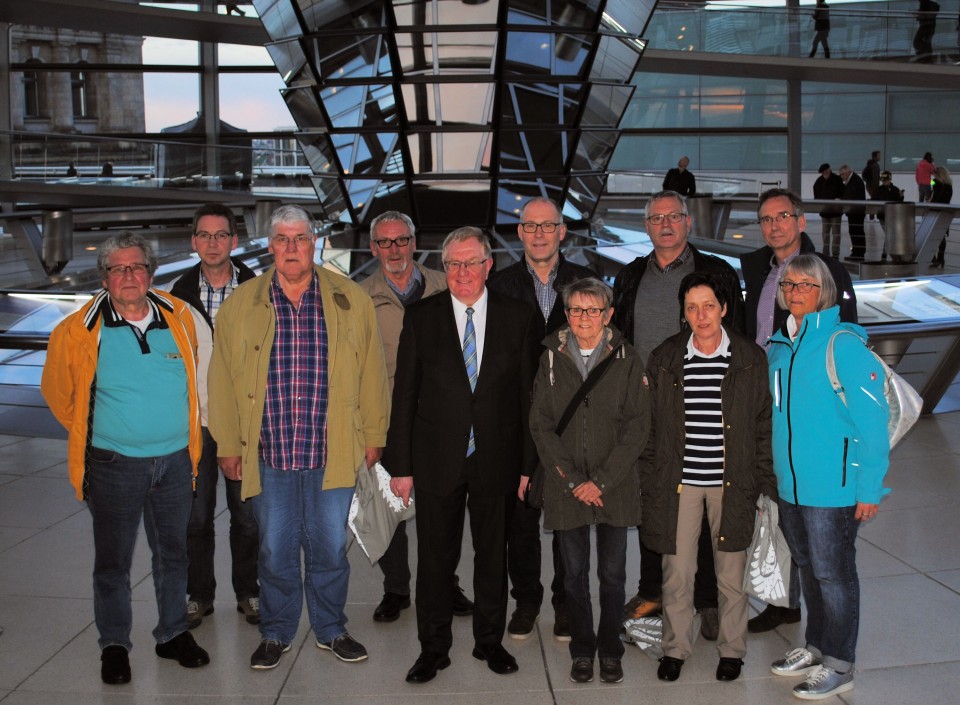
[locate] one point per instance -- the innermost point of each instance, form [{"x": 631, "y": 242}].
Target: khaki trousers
[{"x": 678, "y": 574}]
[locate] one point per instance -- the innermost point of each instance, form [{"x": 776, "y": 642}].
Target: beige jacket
[
  {"x": 358, "y": 407},
  {"x": 390, "y": 310}
]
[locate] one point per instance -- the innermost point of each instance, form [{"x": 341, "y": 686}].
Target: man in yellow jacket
[
  {"x": 121, "y": 376},
  {"x": 298, "y": 403}
]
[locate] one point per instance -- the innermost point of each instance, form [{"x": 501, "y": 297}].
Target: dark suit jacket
[
  {"x": 433, "y": 407},
  {"x": 756, "y": 266}
]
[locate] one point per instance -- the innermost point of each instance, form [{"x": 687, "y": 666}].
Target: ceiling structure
[{"x": 456, "y": 111}]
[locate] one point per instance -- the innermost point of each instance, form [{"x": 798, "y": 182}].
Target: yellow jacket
[
  {"x": 358, "y": 408},
  {"x": 71, "y": 366}
]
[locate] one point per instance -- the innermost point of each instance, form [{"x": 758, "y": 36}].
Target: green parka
[{"x": 601, "y": 443}]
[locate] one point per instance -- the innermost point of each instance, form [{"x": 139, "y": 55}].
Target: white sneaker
[
  {"x": 797, "y": 663},
  {"x": 823, "y": 683}
]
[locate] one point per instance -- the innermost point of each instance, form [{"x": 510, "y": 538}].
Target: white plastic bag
[
  {"x": 767, "y": 576},
  {"x": 375, "y": 511}
]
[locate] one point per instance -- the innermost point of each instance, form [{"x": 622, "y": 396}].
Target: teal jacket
[{"x": 824, "y": 453}]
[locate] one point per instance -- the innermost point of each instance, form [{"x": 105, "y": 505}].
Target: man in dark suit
[
  {"x": 459, "y": 432},
  {"x": 855, "y": 190}
]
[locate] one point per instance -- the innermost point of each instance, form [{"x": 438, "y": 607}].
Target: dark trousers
[
  {"x": 395, "y": 565},
  {"x": 650, "y": 586},
  {"x": 524, "y": 558},
  {"x": 612, "y": 572},
  {"x": 439, "y": 536},
  {"x": 858, "y": 238},
  {"x": 201, "y": 536}
]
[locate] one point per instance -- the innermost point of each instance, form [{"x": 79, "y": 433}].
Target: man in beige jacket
[{"x": 397, "y": 283}]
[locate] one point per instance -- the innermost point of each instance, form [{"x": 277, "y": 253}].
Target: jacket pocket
[{"x": 846, "y": 448}]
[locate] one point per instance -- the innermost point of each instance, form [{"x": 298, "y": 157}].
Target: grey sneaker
[
  {"x": 268, "y": 654},
  {"x": 345, "y": 648},
  {"x": 249, "y": 607},
  {"x": 196, "y": 611},
  {"x": 797, "y": 663},
  {"x": 824, "y": 682}
]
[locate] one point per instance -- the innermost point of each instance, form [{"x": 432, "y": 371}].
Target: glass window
[
  {"x": 252, "y": 101},
  {"x": 80, "y": 86},
  {"x": 32, "y": 92},
  {"x": 855, "y": 113},
  {"x": 170, "y": 99},
  {"x": 913, "y": 111}
]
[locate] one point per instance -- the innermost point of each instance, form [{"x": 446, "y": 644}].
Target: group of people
[{"x": 649, "y": 404}]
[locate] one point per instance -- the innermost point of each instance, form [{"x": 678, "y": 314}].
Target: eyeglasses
[
  {"x": 671, "y": 217},
  {"x": 455, "y": 266},
  {"x": 767, "y": 220},
  {"x": 118, "y": 270},
  {"x": 283, "y": 242},
  {"x": 545, "y": 228},
  {"x": 593, "y": 312},
  {"x": 216, "y": 237},
  {"x": 803, "y": 287},
  {"x": 387, "y": 243}
]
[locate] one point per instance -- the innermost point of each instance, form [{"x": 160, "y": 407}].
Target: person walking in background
[
  {"x": 854, "y": 190},
  {"x": 888, "y": 193},
  {"x": 926, "y": 28},
  {"x": 924, "y": 177},
  {"x": 827, "y": 187},
  {"x": 871, "y": 174},
  {"x": 942, "y": 193},
  {"x": 821, "y": 29},
  {"x": 680, "y": 179}
]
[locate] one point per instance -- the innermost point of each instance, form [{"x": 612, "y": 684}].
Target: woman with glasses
[
  {"x": 589, "y": 449},
  {"x": 709, "y": 452},
  {"x": 830, "y": 459}
]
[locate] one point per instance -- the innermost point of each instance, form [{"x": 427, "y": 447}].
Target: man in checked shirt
[
  {"x": 204, "y": 287},
  {"x": 298, "y": 404}
]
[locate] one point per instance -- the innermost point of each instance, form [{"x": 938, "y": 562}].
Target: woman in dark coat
[
  {"x": 709, "y": 451},
  {"x": 592, "y": 466}
]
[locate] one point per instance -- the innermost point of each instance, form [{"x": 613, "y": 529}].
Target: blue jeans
[
  {"x": 612, "y": 571},
  {"x": 822, "y": 541},
  {"x": 293, "y": 512},
  {"x": 121, "y": 490},
  {"x": 201, "y": 537}
]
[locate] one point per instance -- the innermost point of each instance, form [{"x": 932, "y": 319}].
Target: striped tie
[{"x": 470, "y": 361}]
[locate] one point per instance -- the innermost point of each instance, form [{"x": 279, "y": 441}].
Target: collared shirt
[
  {"x": 211, "y": 297},
  {"x": 479, "y": 322},
  {"x": 676, "y": 264},
  {"x": 767, "y": 304},
  {"x": 546, "y": 294},
  {"x": 414, "y": 290},
  {"x": 292, "y": 435}
]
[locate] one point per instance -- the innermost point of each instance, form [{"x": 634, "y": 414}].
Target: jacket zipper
[{"x": 846, "y": 444}]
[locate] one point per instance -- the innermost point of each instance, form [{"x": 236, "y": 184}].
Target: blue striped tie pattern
[{"x": 470, "y": 361}]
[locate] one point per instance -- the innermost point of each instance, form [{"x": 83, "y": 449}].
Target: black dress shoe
[
  {"x": 426, "y": 667},
  {"x": 114, "y": 665},
  {"x": 498, "y": 658},
  {"x": 669, "y": 668},
  {"x": 729, "y": 668},
  {"x": 462, "y": 606},
  {"x": 773, "y": 617},
  {"x": 184, "y": 650},
  {"x": 389, "y": 608}
]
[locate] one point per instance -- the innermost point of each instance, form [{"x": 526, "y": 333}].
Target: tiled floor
[{"x": 909, "y": 649}]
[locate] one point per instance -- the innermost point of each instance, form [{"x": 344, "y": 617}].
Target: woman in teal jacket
[{"x": 830, "y": 459}]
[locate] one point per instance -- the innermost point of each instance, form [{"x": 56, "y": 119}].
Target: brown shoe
[{"x": 638, "y": 607}]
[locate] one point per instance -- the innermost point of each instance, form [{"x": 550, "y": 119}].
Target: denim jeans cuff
[
  {"x": 837, "y": 665},
  {"x": 814, "y": 650}
]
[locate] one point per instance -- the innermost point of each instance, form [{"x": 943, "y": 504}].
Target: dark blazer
[
  {"x": 187, "y": 287},
  {"x": 433, "y": 407},
  {"x": 515, "y": 281},
  {"x": 756, "y": 266}
]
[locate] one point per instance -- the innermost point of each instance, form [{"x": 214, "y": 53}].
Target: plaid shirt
[
  {"x": 676, "y": 264},
  {"x": 546, "y": 294},
  {"x": 292, "y": 436},
  {"x": 212, "y": 298}
]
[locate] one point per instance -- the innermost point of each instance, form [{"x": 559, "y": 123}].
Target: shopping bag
[
  {"x": 767, "y": 576},
  {"x": 375, "y": 511}
]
